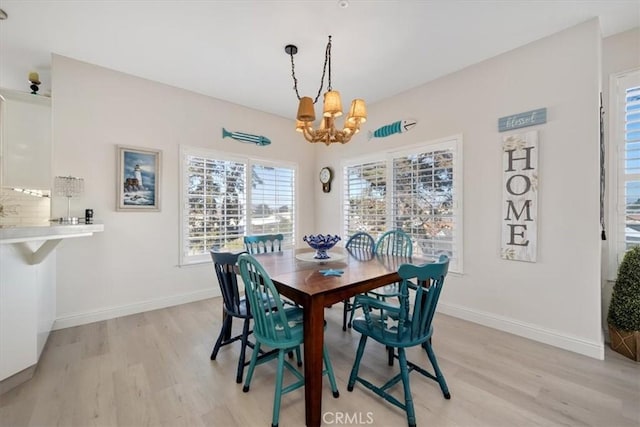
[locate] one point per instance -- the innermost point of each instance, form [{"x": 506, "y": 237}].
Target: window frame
[
  {"x": 248, "y": 162},
  {"x": 618, "y": 83},
  {"x": 454, "y": 142}
]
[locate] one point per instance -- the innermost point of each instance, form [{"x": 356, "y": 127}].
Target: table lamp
[{"x": 68, "y": 186}]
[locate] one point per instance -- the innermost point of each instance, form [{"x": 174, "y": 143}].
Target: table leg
[{"x": 313, "y": 342}]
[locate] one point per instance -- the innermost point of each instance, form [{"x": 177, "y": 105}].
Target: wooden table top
[{"x": 300, "y": 279}]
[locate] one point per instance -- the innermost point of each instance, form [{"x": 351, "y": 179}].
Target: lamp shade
[
  {"x": 305, "y": 110},
  {"x": 358, "y": 110},
  {"x": 332, "y": 104},
  {"x": 68, "y": 186}
]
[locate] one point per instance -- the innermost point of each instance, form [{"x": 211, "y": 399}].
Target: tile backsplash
[{"x": 24, "y": 207}]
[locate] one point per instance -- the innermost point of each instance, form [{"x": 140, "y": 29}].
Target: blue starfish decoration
[{"x": 331, "y": 272}]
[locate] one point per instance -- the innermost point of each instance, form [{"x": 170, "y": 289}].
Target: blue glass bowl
[{"x": 321, "y": 243}]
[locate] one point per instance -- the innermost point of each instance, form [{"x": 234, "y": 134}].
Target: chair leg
[
  {"x": 278, "y": 395},
  {"x": 252, "y": 366},
  {"x": 438, "y": 372},
  {"x": 243, "y": 348},
  {"x": 408, "y": 399},
  {"x": 298, "y": 356},
  {"x": 226, "y": 326},
  {"x": 332, "y": 378},
  {"x": 424, "y": 344},
  {"x": 390, "y": 352},
  {"x": 356, "y": 363},
  {"x": 345, "y": 312},
  {"x": 353, "y": 312}
]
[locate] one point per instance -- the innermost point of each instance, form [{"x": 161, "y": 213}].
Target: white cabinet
[
  {"x": 25, "y": 121},
  {"x": 28, "y": 292},
  {"x": 19, "y": 289}
]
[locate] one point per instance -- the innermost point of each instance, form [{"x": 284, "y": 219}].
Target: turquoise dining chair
[
  {"x": 391, "y": 243},
  {"x": 361, "y": 246},
  {"x": 265, "y": 243},
  {"x": 403, "y": 326},
  {"x": 396, "y": 243},
  {"x": 259, "y": 244},
  {"x": 280, "y": 330}
]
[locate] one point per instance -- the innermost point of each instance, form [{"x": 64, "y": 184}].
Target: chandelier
[{"x": 326, "y": 131}]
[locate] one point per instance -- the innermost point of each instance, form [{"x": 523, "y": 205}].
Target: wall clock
[{"x": 325, "y": 178}]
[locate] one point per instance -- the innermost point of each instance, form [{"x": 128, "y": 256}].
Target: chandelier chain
[
  {"x": 293, "y": 74},
  {"x": 327, "y": 60}
]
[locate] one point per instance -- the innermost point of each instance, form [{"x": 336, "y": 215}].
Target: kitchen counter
[{"x": 54, "y": 230}]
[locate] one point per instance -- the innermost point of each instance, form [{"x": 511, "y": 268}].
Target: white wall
[
  {"x": 132, "y": 266},
  {"x": 557, "y": 299}
]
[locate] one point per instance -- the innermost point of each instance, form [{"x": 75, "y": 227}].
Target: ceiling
[{"x": 234, "y": 50}]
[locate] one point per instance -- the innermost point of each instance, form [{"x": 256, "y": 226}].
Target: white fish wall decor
[
  {"x": 246, "y": 137},
  {"x": 397, "y": 127}
]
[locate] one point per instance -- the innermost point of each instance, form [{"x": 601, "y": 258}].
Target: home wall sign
[
  {"x": 521, "y": 120},
  {"x": 519, "y": 196}
]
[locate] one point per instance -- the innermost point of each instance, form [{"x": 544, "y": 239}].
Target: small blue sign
[{"x": 521, "y": 120}]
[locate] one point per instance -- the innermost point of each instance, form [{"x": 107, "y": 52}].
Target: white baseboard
[
  {"x": 125, "y": 310},
  {"x": 533, "y": 332}
]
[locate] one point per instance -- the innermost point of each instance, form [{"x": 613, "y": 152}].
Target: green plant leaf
[{"x": 624, "y": 310}]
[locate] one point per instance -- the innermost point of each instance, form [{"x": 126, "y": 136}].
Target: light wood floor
[{"x": 154, "y": 369}]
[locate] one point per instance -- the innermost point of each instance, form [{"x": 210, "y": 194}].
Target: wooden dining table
[{"x": 301, "y": 281}]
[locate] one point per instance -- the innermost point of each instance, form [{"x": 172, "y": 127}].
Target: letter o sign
[{"x": 527, "y": 185}]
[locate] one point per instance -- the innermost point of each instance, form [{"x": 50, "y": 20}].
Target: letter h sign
[{"x": 519, "y": 196}]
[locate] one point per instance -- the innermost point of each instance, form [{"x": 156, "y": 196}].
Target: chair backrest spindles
[
  {"x": 361, "y": 241},
  {"x": 361, "y": 246},
  {"x": 261, "y": 292},
  {"x": 259, "y": 244},
  {"x": 394, "y": 242},
  {"x": 224, "y": 266},
  {"x": 429, "y": 278}
]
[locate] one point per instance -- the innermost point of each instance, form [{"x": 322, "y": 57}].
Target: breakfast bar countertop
[{"x": 53, "y": 230}]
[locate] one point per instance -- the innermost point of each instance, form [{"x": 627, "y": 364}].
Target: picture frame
[{"x": 139, "y": 173}]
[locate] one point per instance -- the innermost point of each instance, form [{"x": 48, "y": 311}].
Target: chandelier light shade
[
  {"x": 358, "y": 111},
  {"x": 332, "y": 104},
  {"x": 306, "y": 111},
  {"x": 332, "y": 108}
]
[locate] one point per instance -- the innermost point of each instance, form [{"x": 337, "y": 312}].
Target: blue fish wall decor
[
  {"x": 397, "y": 127},
  {"x": 246, "y": 137}
]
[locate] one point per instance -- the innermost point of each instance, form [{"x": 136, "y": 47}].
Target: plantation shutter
[
  {"x": 214, "y": 201},
  {"x": 273, "y": 201},
  {"x": 365, "y": 191},
  {"x": 629, "y": 166},
  {"x": 425, "y": 200}
]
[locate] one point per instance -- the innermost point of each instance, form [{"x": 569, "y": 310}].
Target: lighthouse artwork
[
  {"x": 138, "y": 179},
  {"x": 133, "y": 184}
]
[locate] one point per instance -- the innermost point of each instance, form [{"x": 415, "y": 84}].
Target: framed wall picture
[{"x": 139, "y": 175}]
